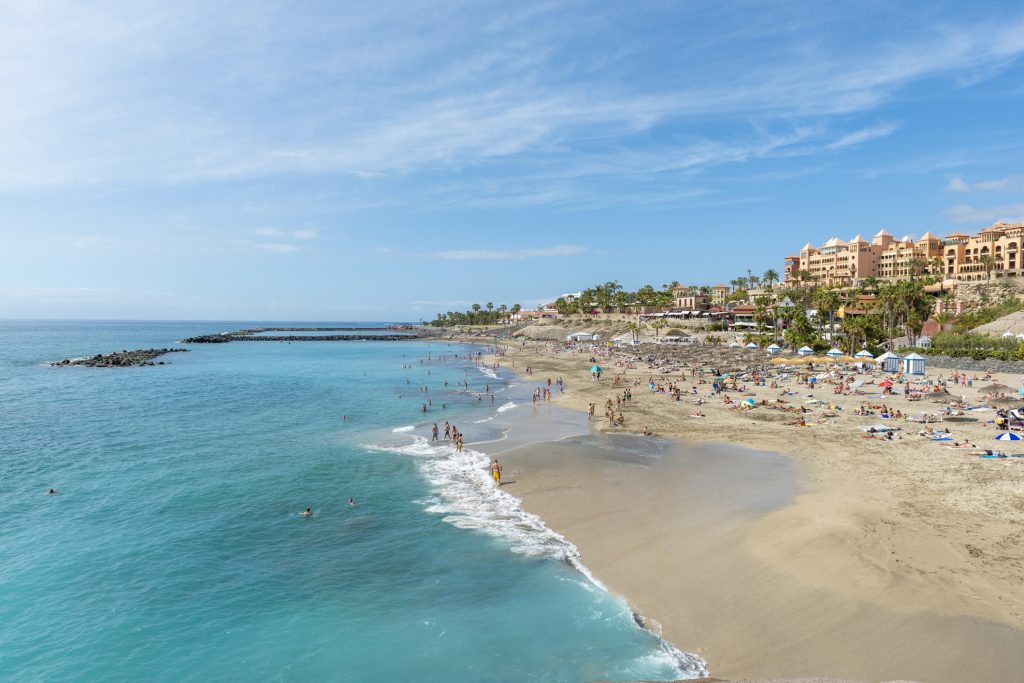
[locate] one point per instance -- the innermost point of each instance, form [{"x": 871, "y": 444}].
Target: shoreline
[{"x": 825, "y": 544}]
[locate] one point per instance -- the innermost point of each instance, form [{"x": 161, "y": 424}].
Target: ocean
[{"x": 175, "y": 549}]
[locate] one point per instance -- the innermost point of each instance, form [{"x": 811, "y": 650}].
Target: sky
[{"x": 382, "y": 160}]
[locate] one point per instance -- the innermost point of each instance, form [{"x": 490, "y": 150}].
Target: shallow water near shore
[{"x": 175, "y": 549}]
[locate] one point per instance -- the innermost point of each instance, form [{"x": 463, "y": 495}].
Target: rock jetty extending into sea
[
  {"x": 119, "y": 359},
  {"x": 400, "y": 333}
]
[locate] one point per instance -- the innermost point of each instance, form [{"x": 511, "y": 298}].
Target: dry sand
[{"x": 892, "y": 560}]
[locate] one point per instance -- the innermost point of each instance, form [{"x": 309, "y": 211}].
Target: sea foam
[{"x": 466, "y": 497}]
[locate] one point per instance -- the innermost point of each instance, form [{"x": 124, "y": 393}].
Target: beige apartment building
[
  {"x": 958, "y": 256},
  {"x": 689, "y": 298},
  {"x": 963, "y": 255}
]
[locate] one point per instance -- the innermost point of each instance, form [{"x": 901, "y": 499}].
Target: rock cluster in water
[{"x": 119, "y": 359}]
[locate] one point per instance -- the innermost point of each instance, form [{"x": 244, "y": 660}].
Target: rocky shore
[{"x": 119, "y": 359}]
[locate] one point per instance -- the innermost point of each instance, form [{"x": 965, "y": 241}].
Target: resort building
[
  {"x": 992, "y": 252},
  {"x": 964, "y": 257},
  {"x": 720, "y": 295}
]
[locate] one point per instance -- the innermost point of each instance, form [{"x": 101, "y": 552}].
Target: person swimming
[
  {"x": 351, "y": 503},
  {"x": 308, "y": 513},
  {"x": 51, "y": 492}
]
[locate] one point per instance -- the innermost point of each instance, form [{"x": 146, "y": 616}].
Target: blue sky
[{"x": 386, "y": 160}]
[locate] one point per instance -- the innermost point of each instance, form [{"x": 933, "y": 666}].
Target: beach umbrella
[
  {"x": 749, "y": 402},
  {"x": 1008, "y": 436},
  {"x": 885, "y": 383}
]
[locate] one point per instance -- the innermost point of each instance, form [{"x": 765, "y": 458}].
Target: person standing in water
[
  {"x": 496, "y": 472},
  {"x": 433, "y": 432}
]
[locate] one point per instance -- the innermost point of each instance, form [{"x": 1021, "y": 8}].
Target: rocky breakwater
[
  {"x": 246, "y": 335},
  {"x": 119, "y": 359}
]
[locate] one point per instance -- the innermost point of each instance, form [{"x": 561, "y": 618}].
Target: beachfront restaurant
[{"x": 913, "y": 364}]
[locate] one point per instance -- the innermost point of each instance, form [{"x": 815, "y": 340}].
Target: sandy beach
[{"x": 863, "y": 558}]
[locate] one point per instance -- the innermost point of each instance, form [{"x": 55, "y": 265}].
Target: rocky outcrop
[{"x": 119, "y": 359}]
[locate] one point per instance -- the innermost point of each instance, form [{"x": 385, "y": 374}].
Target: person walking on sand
[{"x": 496, "y": 472}]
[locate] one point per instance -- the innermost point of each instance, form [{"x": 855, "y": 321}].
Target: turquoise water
[{"x": 174, "y": 549}]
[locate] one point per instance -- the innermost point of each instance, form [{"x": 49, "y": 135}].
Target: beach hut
[
  {"x": 833, "y": 353},
  {"x": 735, "y": 345},
  {"x": 582, "y": 336},
  {"x": 774, "y": 348},
  {"x": 863, "y": 354},
  {"x": 805, "y": 351},
  {"x": 913, "y": 364},
  {"x": 924, "y": 342},
  {"x": 751, "y": 345},
  {"x": 889, "y": 362}
]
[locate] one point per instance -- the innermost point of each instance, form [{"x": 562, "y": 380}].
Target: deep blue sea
[{"x": 175, "y": 550}]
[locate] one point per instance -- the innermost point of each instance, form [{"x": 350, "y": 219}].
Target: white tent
[
  {"x": 774, "y": 348},
  {"x": 735, "y": 345},
  {"x": 924, "y": 342},
  {"x": 834, "y": 353},
  {"x": 751, "y": 345},
  {"x": 863, "y": 353},
  {"x": 805, "y": 351},
  {"x": 913, "y": 364},
  {"x": 889, "y": 361},
  {"x": 1007, "y": 335},
  {"x": 582, "y": 336}
]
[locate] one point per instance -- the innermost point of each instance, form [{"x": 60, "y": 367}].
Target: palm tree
[
  {"x": 915, "y": 266},
  {"x": 771, "y": 276},
  {"x": 657, "y": 325},
  {"x": 989, "y": 263},
  {"x": 635, "y": 331},
  {"x": 503, "y": 312},
  {"x": 515, "y": 310}
]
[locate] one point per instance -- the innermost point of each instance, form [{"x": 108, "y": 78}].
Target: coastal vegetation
[{"x": 488, "y": 314}]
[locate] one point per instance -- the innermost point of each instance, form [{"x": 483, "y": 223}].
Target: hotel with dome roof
[{"x": 956, "y": 257}]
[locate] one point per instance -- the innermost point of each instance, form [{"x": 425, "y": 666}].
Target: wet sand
[{"x": 683, "y": 533}]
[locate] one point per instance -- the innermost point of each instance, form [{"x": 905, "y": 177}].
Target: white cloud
[
  {"x": 267, "y": 232},
  {"x": 858, "y": 137},
  {"x": 305, "y": 234},
  {"x": 969, "y": 214},
  {"x": 112, "y": 95},
  {"x": 508, "y": 254},
  {"x": 278, "y": 247},
  {"x": 958, "y": 184}
]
